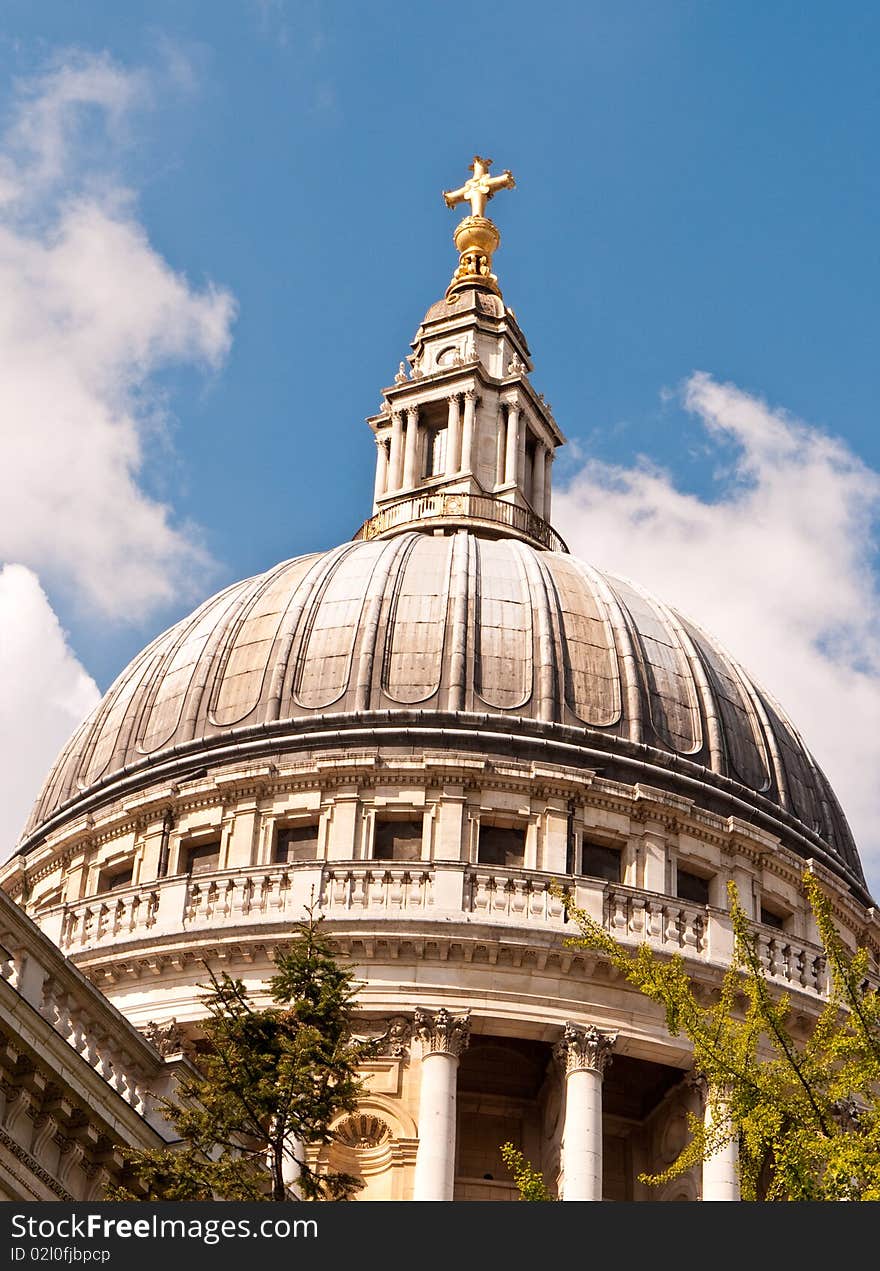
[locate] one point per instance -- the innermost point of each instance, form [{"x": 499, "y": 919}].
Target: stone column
[
  {"x": 586, "y": 1052},
  {"x": 548, "y": 464},
  {"x": 453, "y": 435},
  {"x": 522, "y": 456},
  {"x": 411, "y": 451},
  {"x": 512, "y": 450},
  {"x": 500, "y": 446},
  {"x": 538, "y": 479},
  {"x": 467, "y": 436},
  {"x": 291, "y": 1171},
  {"x": 444, "y": 1037},
  {"x": 721, "y": 1169},
  {"x": 396, "y": 462},
  {"x": 381, "y": 470}
]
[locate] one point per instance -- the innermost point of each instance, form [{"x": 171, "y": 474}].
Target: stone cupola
[{"x": 462, "y": 437}]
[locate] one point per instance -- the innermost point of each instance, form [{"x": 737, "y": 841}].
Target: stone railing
[
  {"x": 184, "y": 906},
  {"x": 463, "y": 509},
  {"x": 33, "y": 966}
]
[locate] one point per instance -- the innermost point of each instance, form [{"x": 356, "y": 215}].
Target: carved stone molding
[
  {"x": 362, "y": 1131},
  {"x": 167, "y": 1038},
  {"x": 391, "y": 1036},
  {"x": 442, "y": 1033},
  {"x": 585, "y": 1048}
]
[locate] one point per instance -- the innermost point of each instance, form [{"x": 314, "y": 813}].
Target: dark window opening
[
  {"x": 600, "y": 862},
  {"x": 435, "y": 452},
  {"x": 398, "y": 841},
  {"x": 770, "y": 919},
  {"x": 110, "y": 881},
  {"x": 502, "y": 847},
  {"x": 202, "y": 859},
  {"x": 296, "y": 843},
  {"x": 692, "y": 887}
]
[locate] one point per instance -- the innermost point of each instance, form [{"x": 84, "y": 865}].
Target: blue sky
[{"x": 697, "y": 191}]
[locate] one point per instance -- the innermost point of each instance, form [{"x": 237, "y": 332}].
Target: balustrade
[
  {"x": 462, "y": 508},
  {"x": 268, "y": 894}
]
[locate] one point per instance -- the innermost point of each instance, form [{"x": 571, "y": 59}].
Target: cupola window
[
  {"x": 770, "y": 918},
  {"x": 501, "y": 846},
  {"x": 435, "y": 451},
  {"x": 296, "y": 843},
  {"x": 202, "y": 858},
  {"x": 692, "y": 887},
  {"x": 598, "y": 861},
  {"x": 397, "y": 841},
  {"x": 112, "y": 879}
]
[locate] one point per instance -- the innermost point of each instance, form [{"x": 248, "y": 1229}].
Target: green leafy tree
[
  {"x": 528, "y": 1181},
  {"x": 805, "y": 1112},
  {"x": 271, "y": 1081}
]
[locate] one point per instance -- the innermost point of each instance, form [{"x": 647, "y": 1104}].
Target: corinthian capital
[
  {"x": 585, "y": 1048},
  {"x": 440, "y": 1032}
]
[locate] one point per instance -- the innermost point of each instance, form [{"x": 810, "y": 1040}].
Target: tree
[
  {"x": 271, "y": 1081},
  {"x": 528, "y": 1181},
  {"x": 805, "y": 1113}
]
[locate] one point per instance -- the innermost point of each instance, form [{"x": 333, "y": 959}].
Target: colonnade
[
  {"x": 397, "y": 465},
  {"x": 584, "y": 1053}
]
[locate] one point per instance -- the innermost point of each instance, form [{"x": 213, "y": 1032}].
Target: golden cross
[{"x": 480, "y": 188}]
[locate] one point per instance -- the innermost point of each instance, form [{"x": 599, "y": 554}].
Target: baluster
[
  {"x": 396, "y": 882},
  {"x": 672, "y": 934},
  {"x": 518, "y": 898},
  {"x": 689, "y": 935},
  {"x": 655, "y": 920},
  {"x": 619, "y": 915},
  {"x": 480, "y": 898}
]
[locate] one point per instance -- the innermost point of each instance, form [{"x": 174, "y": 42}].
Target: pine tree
[
  {"x": 805, "y": 1113},
  {"x": 271, "y": 1082}
]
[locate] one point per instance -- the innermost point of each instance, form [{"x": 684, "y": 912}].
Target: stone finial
[
  {"x": 440, "y": 1032},
  {"x": 400, "y": 377},
  {"x": 516, "y": 366},
  {"x": 584, "y": 1047}
]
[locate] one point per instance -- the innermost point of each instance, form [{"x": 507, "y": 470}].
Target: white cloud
[
  {"x": 89, "y": 313},
  {"x": 779, "y": 566},
  {"x": 44, "y": 694}
]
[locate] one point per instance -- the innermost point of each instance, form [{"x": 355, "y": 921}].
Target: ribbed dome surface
[{"x": 443, "y": 624}]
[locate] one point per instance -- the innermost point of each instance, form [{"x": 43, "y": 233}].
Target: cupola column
[
  {"x": 381, "y": 469},
  {"x": 444, "y": 1037},
  {"x": 538, "y": 479},
  {"x": 467, "y": 434},
  {"x": 512, "y": 451},
  {"x": 453, "y": 435},
  {"x": 585, "y": 1053},
  {"x": 411, "y": 450},
  {"x": 548, "y": 484},
  {"x": 395, "y": 464},
  {"x": 721, "y": 1169}
]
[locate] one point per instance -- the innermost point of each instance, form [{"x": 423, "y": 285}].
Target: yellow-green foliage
[
  {"x": 805, "y": 1111},
  {"x": 529, "y": 1182}
]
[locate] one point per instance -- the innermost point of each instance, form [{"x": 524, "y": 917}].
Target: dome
[{"x": 434, "y": 634}]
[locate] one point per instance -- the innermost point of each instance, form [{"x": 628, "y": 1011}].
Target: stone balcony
[
  {"x": 263, "y": 898},
  {"x": 473, "y": 511}
]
